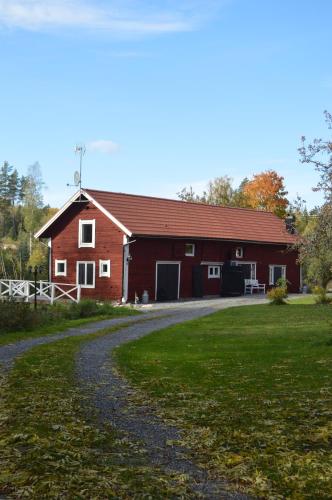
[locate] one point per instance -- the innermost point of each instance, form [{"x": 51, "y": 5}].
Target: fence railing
[{"x": 44, "y": 290}]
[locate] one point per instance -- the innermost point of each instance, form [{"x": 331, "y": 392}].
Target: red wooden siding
[
  {"x": 108, "y": 245},
  {"x": 146, "y": 252}
]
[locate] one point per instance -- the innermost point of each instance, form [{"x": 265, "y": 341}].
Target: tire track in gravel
[
  {"x": 9, "y": 352},
  {"x": 110, "y": 394}
]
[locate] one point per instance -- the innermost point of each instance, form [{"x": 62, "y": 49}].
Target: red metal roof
[{"x": 149, "y": 216}]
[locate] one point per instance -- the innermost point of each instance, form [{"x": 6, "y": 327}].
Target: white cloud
[
  {"x": 125, "y": 17},
  {"x": 103, "y": 146}
]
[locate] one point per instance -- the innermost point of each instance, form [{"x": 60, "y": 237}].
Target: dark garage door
[{"x": 167, "y": 281}]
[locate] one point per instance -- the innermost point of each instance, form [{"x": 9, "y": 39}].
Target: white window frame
[
  {"x": 94, "y": 273},
  {"x": 239, "y": 252},
  {"x": 83, "y": 222},
  {"x": 103, "y": 274},
  {"x": 178, "y": 262},
  {"x": 214, "y": 274},
  {"x": 192, "y": 253},
  {"x": 59, "y": 273},
  {"x": 271, "y": 272},
  {"x": 253, "y": 266}
]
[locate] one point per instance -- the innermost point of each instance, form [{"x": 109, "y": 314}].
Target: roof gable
[{"x": 77, "y": 198}]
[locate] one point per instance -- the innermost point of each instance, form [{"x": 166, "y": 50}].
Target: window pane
[
  {"x": 61, "y": 267},
  {"x": 89, "y": 274},
  {"x": 105, "y": 268},
  {"x": 86, "y": 233},
  {"x": 189, "y": 249},
  {"x": 277, "y": 273},
  {"x": 81, "y": 274}
]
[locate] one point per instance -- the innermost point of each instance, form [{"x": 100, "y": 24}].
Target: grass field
[
  {"x": 50, "y": 449},
  {"x": 251, "y": 389}
]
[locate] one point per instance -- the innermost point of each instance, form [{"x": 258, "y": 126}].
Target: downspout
[
  {"x": 49, "y": 244},
  {"x": 125, "y": 274},
  {"x": 126, "y": 261}
]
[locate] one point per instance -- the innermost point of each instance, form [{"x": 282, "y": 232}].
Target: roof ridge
[{"x": 197, "y": 203}]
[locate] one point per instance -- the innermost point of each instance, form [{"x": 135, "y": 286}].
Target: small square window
[
  {"x": 104, "y": 268},
  {"x": 86, "y": 233},
  {"x": 239, "y": 252},
  {"x": 190, "y": 250},
  {"x": 214, "y": 272},
  {"x": 60, "y": 268}
]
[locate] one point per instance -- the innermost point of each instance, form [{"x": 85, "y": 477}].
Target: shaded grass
[
  {"x": 61, "y": 325},
  {"x": 251, "y": 389},
  {"x": 48, "y": 448}
]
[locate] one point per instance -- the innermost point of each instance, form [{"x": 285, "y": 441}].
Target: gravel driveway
[
  {"x": 110, "y": 395},
  {"x": 9, "y": 352}
]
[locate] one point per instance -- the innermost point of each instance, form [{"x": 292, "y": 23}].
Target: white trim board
[
  {"x": 70, "y": 202},
  {"x": 208, "y": 263},
  {"x": 178, "y": 262}
]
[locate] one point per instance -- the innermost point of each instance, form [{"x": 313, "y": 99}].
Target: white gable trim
[
  {"x": 108, "y": 214},
  {"x": 92, "y": 200}
]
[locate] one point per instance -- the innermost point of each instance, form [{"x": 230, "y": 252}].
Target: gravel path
[
  {"x": 110, "y": 394},
  {"x": 9, "y": 352}
]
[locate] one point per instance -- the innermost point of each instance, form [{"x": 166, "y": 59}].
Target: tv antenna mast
[{"x": 80, "y": 150}]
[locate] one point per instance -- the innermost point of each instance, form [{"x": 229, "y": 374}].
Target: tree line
[
  {"x": 22, "y": 212},
  {"x": 265, "y": 191}
]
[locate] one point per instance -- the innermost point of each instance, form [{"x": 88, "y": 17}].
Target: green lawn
[
  {"x": 50, "y": 449},
  {"x": 251, "y": 389}
]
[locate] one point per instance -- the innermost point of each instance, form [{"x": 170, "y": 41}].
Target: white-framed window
[
  {"x": 213, "y": 272},
  {"x": 189, "y": 250},
  {"x": 60, "y": 267},
  {"x": 104, "y": 269},
  {"x": 87, "y": 233},
  {"x": 249, "y": 268},
  {"x": 239, "y": 252},
  {"x": 85, "y": 274},
  {"x": 276, "y": 272}
]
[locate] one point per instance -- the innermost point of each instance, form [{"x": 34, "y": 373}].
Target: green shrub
[
  {"x": 87, "y": 308},
  {"x": 321, "y": 296},
  {"x": 16, "y": 316},
  {"x": 279, "y": 293}
]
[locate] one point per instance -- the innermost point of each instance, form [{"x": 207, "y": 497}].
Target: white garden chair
[{"x": 251, "y": 286}]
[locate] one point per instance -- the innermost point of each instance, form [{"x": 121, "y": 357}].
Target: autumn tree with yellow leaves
[{"x": 266, "y": 191}]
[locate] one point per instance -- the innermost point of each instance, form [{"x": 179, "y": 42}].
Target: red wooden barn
[{"x": 117, "y": 245}]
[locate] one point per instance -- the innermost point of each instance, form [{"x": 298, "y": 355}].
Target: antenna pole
[{"x": 81, "y": 151}]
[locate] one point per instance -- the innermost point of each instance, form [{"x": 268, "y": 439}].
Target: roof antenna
[{"x": 80, "y": 150}]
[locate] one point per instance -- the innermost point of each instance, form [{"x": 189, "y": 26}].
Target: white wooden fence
[{"x": 46, "y": 291}]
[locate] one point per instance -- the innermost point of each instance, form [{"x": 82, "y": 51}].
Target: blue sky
[{"x": 165, "y": 94}]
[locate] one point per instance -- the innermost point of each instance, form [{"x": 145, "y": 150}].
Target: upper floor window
[
  {"x": 239, "y": 252},
  {"x": 86, "y": 233},
  {"x": 190, "y": 249},
  {"x": 60, "y": 267}
]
